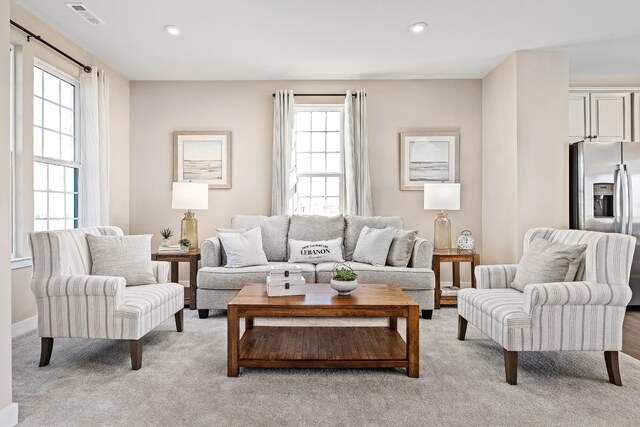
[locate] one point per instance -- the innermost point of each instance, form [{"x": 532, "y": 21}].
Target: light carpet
[{"x": 183, "y": 382}]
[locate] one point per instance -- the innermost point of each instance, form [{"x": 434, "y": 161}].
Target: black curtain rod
[
  {"x": 319, "y": 94},
  {"x": 30, "y": 34}
]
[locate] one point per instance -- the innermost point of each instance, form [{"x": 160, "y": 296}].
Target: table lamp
[
  {"x": 442, "y": 196},
  {"x": 190, "y": 196}
]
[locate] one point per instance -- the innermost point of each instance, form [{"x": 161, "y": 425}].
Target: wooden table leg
[
  {"x": 174, "y": 272},
  {"x": 248, "y": 322},
  {"x": 393, "y": 323},
  {"x": 413, "y": 341},
  {"x": 455, "y": 266},
  {"x": 193, "y": 275},
  {"x": 474, "y": 263},
  {"x": 436, "y": 273},
  {"x": 233, "y": 332}
]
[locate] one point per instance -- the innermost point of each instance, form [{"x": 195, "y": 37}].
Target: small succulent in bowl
[
  {"x": 166, "y": 234},
  {"x": 343, "y": 279},
  {"x": 184, "y": 245}
]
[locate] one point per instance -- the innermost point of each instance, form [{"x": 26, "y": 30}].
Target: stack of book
[
  {"x": 169, "y": 249},
  {"x": 284, "y": 280}
]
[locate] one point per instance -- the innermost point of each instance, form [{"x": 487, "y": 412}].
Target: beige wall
[
  {"x": 499, "y": 165},
  {"x": 525, "y": 151},
  {"x": 543, "y": 142},
  {"x": 246, "y": 109},
  {"x": 5, "y": 233},
  {"x": 23, "y": 304}
]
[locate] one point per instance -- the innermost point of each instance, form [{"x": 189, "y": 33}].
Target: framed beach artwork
[
  {"x": 428, "y": 156},
  {"x": 202, "y": 156}
]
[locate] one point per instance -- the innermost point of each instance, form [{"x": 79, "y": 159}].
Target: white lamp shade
[
  {"x": 190, "y": 195},
  {"x": 442, "y": 196}
]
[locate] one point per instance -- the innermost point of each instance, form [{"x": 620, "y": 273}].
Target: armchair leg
[
  {"x": 46, "y": 347},
  {"x": 203, "y": 314},
  {"x": 179, "y": 320},
  {"x": 613, "y": 368},
  {"x": 462, "y": 327},
  {"x": 427, "y": 314},
  {"x": 136, "y": 354},
  {"x": 511, "y": 366}
]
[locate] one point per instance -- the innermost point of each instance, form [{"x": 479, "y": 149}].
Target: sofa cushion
[
  {"x": 404, "y": 277},
  {"x": 140, "y": 300},
  {"x": 274, "y": 233},
  {"x": 122, "y": 256},
  {"x": 355, "y": 223},
  {"x": 316, "y": 227},
  {"x": 236, "y": 278},
  {"x": 505, "y": 306},
  {"x": 547, "y": 262},
  {"x": 401, "y": 248},
  {"x": 373, "y": 245}
]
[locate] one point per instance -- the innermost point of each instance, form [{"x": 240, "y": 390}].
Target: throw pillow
[
  {"x": 401, "y": 248},
  {"x": 373, "y": 245},
  {"x": 547, "y": 262},
  {"x": 316, "y": 252},
  {"x": 227, "y": 230},
  {"x": 243, "y": 249},
  {"x": 123, "y": 256}
]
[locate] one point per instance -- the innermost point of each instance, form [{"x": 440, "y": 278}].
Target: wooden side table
[
  {"x": 455, "y": 258},
  {"x": 192, "y": 257}
]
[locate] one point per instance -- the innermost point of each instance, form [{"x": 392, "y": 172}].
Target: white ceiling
[{"x": 346, "y": 39}]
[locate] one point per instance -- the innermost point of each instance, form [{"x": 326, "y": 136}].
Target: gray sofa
[{"x": 217, "y": 285}]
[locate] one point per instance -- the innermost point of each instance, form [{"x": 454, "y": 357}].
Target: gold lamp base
[
  {"x": 189, "y": 229},
  {"x": 442, "y": 231}
]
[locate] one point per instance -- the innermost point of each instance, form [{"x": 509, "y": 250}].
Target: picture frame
[
  {"x": 428, "y": 156},
  {"x": 202, "y": 156}
]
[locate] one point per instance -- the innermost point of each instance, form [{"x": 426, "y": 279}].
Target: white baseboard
[
  {"x": 450, "y": 284},
  {"x": 24, "y": 326},
  {"x": 9, "y": 416}
]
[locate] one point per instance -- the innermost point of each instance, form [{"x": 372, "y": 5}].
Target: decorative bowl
[{"x": 344, "y": 288}]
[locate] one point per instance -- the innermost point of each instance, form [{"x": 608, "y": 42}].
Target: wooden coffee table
[{"x": 323, "y": 347}]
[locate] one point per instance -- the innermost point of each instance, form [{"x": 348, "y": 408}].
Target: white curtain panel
[
  {"x": 284, "y": 170},
  {"x": 357, "y": 181},
  {"x": 94, "y": 148}
]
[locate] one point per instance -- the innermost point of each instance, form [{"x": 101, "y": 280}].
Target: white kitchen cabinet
[
  {"x": 602, "y": 116},
  {"x": 579, "y": 116},
  {"x": 635, "y": 98}
]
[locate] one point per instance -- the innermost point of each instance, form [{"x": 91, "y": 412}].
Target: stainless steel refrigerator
[{"x": 605, "y": 193}]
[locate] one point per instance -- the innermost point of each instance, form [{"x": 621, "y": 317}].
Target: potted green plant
[
  {"x": 343, "y": 279},
  {"x": 184, "y": 245},
  {"x": 166, "y": 234}
]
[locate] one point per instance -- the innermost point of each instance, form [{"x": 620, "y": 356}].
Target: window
[
  {"x": 12, "y": 146},
  {"x": 318, "y": 136},
  {"x": 55, "y": 150}
]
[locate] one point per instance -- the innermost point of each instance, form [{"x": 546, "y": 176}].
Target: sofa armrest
[
  {"x": 211, "y": 252},
  {"x": 495, "y": 276},
  {"x": 575, "y": 293},
  {"x": 78, "y": 285},
  {"x": 161, "y": 271},
  {"x": 422, "y": 254}
]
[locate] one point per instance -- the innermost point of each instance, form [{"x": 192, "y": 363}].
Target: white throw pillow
[
  {"x": 243, "y": 249},
  {"x": 316, "y": 252},
  {"x": 122, "y": 256},
  {"x": 547, "y": 262},
  {"x": 373, "y": 245}
]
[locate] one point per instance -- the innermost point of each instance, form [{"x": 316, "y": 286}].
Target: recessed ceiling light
[
  {"x": 173, "y": 30},
  {"x": 418, "y": 27}
]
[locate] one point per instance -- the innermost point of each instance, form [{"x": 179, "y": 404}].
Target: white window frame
[
  {"x": 12, "y": 148},
  {"x": 76, "y": 163},
  {"x": 323, "y": 108}
]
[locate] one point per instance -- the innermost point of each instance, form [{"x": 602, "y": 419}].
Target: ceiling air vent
[{"x": 85, "y": 13}]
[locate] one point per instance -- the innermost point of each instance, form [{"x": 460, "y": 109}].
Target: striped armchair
[
  {"x": 73, "y": 304},
  {"x": 583, "y": 315}
]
